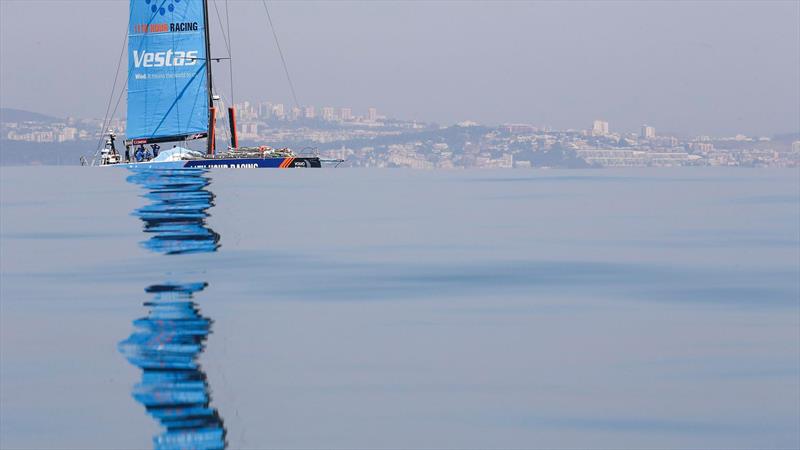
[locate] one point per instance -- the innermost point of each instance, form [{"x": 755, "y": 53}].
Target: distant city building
[
  {"x": 701, "y": 147},
  {"x": 328, "y": 113},
  {"x": 346, "y": 114},
  {"x": 68, "y": 134},
  {"x": 647, "y": 132},
  {"x": 519, "y": 128},
  {"x": 296, "y": 113},
  {"x": 265, "y": 110},
  {"x": 372, "y": 114},
  {"x": 277, "y": 110},
  {"x": 244, "y": 110},
  {"x": 251, "y": 129},
  {"x": 310, "y": 112},
  {"x": 600, "y": 128}
]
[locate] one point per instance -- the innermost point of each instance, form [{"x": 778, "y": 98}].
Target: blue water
[{"x": 399, "y": 309}]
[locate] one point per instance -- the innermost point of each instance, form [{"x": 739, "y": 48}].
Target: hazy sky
[{"x": 718, "y": 67}]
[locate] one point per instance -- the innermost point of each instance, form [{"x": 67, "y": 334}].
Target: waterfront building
[
  {"x": 278, "y": 111},
  {"x": 600, "y": 128}
]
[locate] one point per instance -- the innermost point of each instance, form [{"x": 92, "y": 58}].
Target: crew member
[{"x": 139, "y": 154}]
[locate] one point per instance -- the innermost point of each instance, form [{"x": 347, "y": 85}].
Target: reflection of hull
[
  {"x": 234, "y": 163},
  {"x": 175, "y": 218}
]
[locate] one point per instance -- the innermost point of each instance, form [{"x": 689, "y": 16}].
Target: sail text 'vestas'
[{"x": 168, "y": 58}]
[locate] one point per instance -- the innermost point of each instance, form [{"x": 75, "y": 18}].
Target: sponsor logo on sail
[
  {"x": 155, "y": 8},
  {"x": 166, "y": 27},
  {"x": 169, "y": 58}
]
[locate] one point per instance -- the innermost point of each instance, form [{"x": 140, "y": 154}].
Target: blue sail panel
[{"x": 167, "y": 90}]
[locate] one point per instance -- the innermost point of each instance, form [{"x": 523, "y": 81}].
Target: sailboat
[{"x": 171, "y": 98}]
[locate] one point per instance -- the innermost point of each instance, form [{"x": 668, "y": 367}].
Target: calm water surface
[{"x": 402, "y": 309}]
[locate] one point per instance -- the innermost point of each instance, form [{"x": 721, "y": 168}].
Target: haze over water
[{"x": 402, "y": 309}]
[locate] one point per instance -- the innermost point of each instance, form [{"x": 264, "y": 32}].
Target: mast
[{"x": 211, "y": 115}]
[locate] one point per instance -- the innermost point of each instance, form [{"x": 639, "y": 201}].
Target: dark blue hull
[{"x": 255, "y": 163}]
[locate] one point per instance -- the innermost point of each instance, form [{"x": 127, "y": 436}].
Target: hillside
[{"x": 20, "y": 115}]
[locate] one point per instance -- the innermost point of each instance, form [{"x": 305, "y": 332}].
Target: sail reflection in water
[
  {"x": 177, "y": 215},
  {"x": 167, "y": 343}
]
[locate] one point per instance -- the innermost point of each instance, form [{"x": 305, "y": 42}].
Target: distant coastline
[{"x": 30, "y": 138}]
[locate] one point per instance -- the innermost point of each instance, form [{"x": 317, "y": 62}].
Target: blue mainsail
[{"x": 167, "y": 90}]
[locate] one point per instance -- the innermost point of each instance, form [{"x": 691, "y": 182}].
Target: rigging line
[
  {"x": 222, "y": 28},
  {"x": 113, "y": 89},
  {"x": 224, "y": 120},
  {"x": 280, "y": 52},
  {"x": 230, "y": 61},
  {"x": 119, "y": 99},
  {"x": 227, "y": 40}
]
